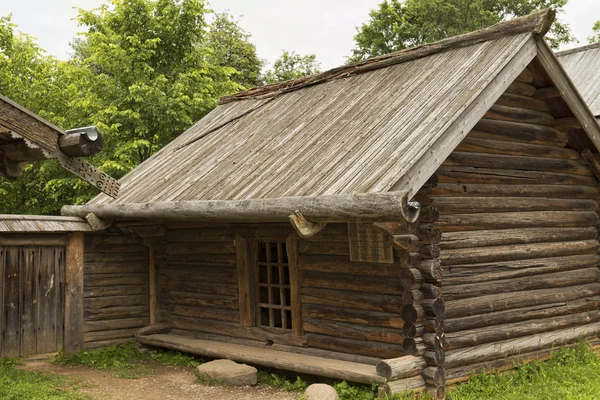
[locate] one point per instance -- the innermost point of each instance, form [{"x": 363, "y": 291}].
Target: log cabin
[{"x": 406, "y": 220}]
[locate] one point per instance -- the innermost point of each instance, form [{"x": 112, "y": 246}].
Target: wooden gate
[{"x": 32, "y": 296}]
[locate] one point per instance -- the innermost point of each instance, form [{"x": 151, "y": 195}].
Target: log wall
[
  {"x": 517, "y": 208},
  {"x": 116, "y": 302}
]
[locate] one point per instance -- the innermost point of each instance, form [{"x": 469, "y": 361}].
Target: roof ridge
[
  {"x": 538, "y": 23},
  {"x": 577, "y": 49}
]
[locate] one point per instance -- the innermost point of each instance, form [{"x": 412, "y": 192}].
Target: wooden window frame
[{"x": 247, "y": 280}]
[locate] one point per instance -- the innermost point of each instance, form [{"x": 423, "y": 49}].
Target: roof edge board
[
  {"x": 422, "y": 170},
  {"x": 568, "y": 91},
  {"x": 537, "y": 23},
  {"x": 577, "y": 49}
]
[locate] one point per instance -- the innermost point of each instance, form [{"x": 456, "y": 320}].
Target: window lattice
[{"x": 273, "y": 285}]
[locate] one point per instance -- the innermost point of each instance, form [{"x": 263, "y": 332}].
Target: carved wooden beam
[{"x": 304, "y": 228}]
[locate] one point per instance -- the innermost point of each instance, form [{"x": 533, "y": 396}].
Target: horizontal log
[
  {"x": 104, "y": 343},
  {"x": 110, "y": 291},
  {"x": 305, "y": 364},
  {"x": 104, "y": 302},
  {"x": 189, "y": 286},
  {"x": 434, "y": 357},
  {"x": 358, "y": 317},
  {"x": 431, "y": 291},
  {"x": 507, "y": 301},
  {"x": 525, "y": 76},
  {"x": 521, "y": 88},
  {"x": 553, "y": 280},
  {"x": 115, "y": 313},
  {"x": 519, "y": 132},
  {"x": 430, "y": 269},
  {"x": 507, "y": 348},
  {"x": 235, "y": 330},
  {"x": 363, "y": 207},
  {"x": 412, "y": 297},
  {"x": 466, "y": 205},
  {"x": 517, "y": 251},
  {"x": 511, "y": 220},
  {"x": 434, "y": 307},
  {"x": 401, "y": 367},
  {"x": 485, "y": 272},
  {"x": 499, "y": 147},
  {"x": 211, "y": 313},
  {"x": 324, "y": 248},
  {"x": 353, "y": 331},
  {"x": 497, "y": 161},
  {"x": 352, "y": 300},
  {"x": 411, "y": 278},
  {"x": 200, "y": 248},
  {"x": 100, "y": 247},
  {"x": 499, "y": 237},
  {"x": 99, "y": 326},
  {"x": 515, "y": 100},
  {"x": 407, "y": 242},
  {"x": 429, "y": 236},
  {"x": 80, "y": 143},
  {"x": 434, "y": 376},
  {"x": 433, "y": 324},
  {"x": 207, "y": 260},
  {"x": 430, "y": 251},
  {"x": 370, "y": 284},
  {"x": 472, "y": 175},
  {"x": 204, "y": 300},
  {"x": 403, "y": 386},
  {"x": 412, "y": 314},
  {"x": 372, "y": 349},
  {"x": 137, "y": 256},
  {"x": 413, "y": 329},
  {"x": 93, "y": 281},
  {"x": 515, "y": 114},
  {"x": 136, "y": 267},
  {"x": 497, "y": 333},
  {"x": 535, "y": 312},
  {"x": 342, "y": 265},
  {"x": 215, "y": 275},
  {"x": 435, "y": 341},
  {"x": 483, "y": 190},
  {"x": 109, "y": 335},
  {"x": 413, "y": 346},
  {"x": 93, "y": 239}
]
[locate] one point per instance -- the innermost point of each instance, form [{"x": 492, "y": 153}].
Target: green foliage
[
  {"x": 18, "y": 385},
  {"x": 397, "y": 24},
  {"x": 231, "y": 47},
  {"x": 595, "y": 38},
  {"x": 123, "y": 360},
  {"x": 569, "y": 374},
  {"x": 281, "y": 382},
  {"x": 291, "y": 65}
]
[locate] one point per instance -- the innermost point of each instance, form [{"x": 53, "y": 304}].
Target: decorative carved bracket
[{"x": 304, "y": 228}]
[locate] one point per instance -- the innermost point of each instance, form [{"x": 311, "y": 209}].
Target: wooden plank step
[{"x": 300, "y": 363}]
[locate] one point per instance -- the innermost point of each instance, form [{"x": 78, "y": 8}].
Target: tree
[
  {"x": 291, "y": 65},
  {"x": 595, "y": 38},
  {"x": 397, "y": 24},
  {"x": 231, "y": 47}
]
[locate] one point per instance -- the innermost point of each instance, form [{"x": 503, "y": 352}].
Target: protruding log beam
[
  {"x": 411, "y": 329},
  {"x": 434, "y": 376},
  {"x": 434, "y": 307},
  {"x": 412, "y": 297},
  {"x": 436, "y": 341},
  {"x": 405, "y": 242},
  {"x": 96, "y": 223},
  {"x": 430, "y": 269},
  {"x": 432, "y": 324},
  {"x": 411, "y": 278},
  {"x": 81, "y": 142},
  {"x": 435, "y": 358},
  {"x": 363, "y": 207},
  {"x": 413, "y": 346},
  {"x": 401, "y": 367},
  {"x": 431, "y": 291},
  {"x": 412, "y": 314}
]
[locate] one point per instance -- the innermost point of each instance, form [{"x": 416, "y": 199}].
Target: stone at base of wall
[
  {"x": 227, "y": 372},
  {"x": 320, "y": 391}
]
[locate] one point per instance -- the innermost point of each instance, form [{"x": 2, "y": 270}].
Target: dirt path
[{"x": 167, "y": 383}]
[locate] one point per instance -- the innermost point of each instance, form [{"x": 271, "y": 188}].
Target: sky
[{"x": 323, "y": 27}]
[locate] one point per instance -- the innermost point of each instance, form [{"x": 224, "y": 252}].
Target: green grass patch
[
  {"x": 19, "y": 385},
  {"x": 569, "y": 374},
  {"x": 125, "y": 360}
]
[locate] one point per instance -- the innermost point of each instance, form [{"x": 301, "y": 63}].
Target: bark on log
[
  {"x": 536, "y": 312},
  {"x": 546, "y": 281},
  {"x": 511, "y": 330},
  {"x": 400, "y": 368},
  {"x": 367, "y": 207},
  {"x": 507, "y": 301},
  {"x": 507, "y": 348}
]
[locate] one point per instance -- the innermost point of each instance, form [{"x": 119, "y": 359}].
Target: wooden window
[
  {"x": 273, "y": 285},
  {"x": 268, "y": 283}
]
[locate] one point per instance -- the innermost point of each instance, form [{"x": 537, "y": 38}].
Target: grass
[
  {"x": 19, "y": 385},
  {"x": 125, "y": 360},
  {"x": 569, "y": 374}
]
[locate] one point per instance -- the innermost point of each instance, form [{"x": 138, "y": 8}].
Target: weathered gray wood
[
  {"x": 353, "y": 331},
  {"x": 402, "y": 386},
  {"x": 245, "y": 277},
  {"x": 464, "y": 205},
  {"x": 519, "y": 132},
  {"x": 503, "y": 113},
  {"x": 367, "y": 207},
  {"x": 80, "y": 145},
  {"x": 372, "y": 349},
  {"x": 471, "y": 175},
  {"x": 99, "y": 326},
  {"x": 359, "y": 317},
  {"x": 74, "y": 308},
  {"x": 352, "y": 300},
  {"x": 370, "y": 284},
  {"x": 400, "y": 368}
]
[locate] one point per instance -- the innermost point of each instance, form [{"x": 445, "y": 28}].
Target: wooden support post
[
  {"x": 153, "y": 286},
  {"x": 73, "y": 330}
]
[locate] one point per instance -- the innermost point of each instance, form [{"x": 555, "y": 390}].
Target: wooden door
[{"x": 31, "y": 299}]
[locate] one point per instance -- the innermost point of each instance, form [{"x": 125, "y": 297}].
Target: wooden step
[{"x": 300, "y": 363}]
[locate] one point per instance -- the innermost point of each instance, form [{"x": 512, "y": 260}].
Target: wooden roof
[
  {"x": 583, "y": 66},
  {"x": 382, "y": 125},
  {"x": 40, "y": 224}
]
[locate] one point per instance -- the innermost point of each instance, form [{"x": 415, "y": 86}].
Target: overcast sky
[{"x": 324, "y": 27}]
